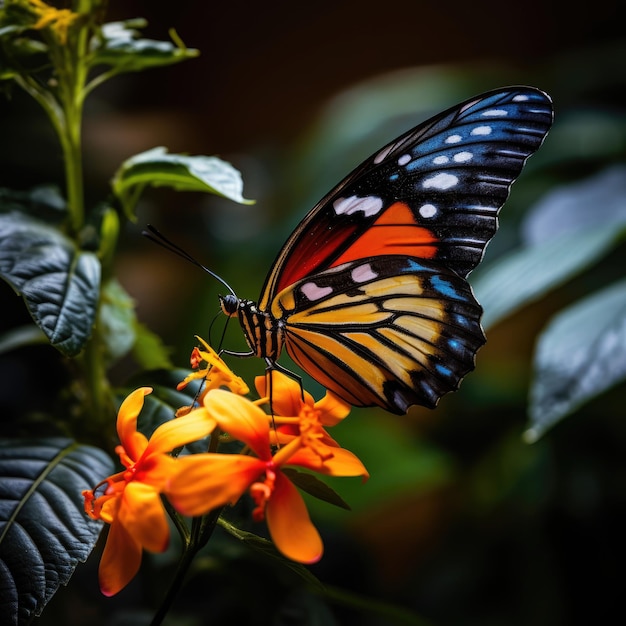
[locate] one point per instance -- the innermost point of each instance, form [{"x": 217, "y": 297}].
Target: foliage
[{"x": 58, "y": 255}]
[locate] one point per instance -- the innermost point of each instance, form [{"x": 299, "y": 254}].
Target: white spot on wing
[
  {"x": 363, "y": 273},
  {"x": 462, "y": 157},
  {"x": 383, "y": 154},
  {"x": 440, "y": 181},
  {"x": 520, "y": 98},
  {"x": 495, "y": 113},
  {"x": 427, "y": 210},
  {"x": 454, "y": 139},
  {"x": 404, "y": 159},
  {"x": 313, "y": 292},
  {"x": 481, "y": 130},
  {"x": 370, "y": 205},
  {"x": 440, "y": 160}
]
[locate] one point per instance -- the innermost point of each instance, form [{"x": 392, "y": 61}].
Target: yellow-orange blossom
[
  {"x": 131, "y": 502},
  {"x": 198, "y": 483},
  {"x": 212, "y": 480}
]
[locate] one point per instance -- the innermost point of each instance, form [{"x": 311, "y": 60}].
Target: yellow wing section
[{"x": 389, "y": 331}]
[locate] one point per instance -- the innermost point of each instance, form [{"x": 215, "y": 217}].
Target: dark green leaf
[
  {"x": 60, "y": 284},
  {"x": 44, "y": 530},
  {"x": 20, "y": 337},
  {"x": 123, "y": 333},
  {"x": 566, "y": 231},
  {"x": 580, "y": 354},
  {"x": 524, "y": 275},
  {"x": 315, "y": 487},
  {"x": 117, "y": 319},
  {"x": 268, "y": 549},
  {"x": 43, "y": 202},
  {"x": 159, "y": 168},
  {"x": 119, "y": 45},
  {"x": 149, "y": 350},
  {"x": 19, "y": 54},
  {"x": 578, "y": 207}
]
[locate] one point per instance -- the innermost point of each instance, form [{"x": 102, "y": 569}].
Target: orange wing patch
[{"x": 394, "y": 232}]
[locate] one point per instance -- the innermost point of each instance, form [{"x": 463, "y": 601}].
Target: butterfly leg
[
  {"x": 271, "y": 366},
  {"x": 239, "y": 355}
]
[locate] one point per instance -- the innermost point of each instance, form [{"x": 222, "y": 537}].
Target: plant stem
[
  {"x": 71, "y": 67},
  {"x": 183, "y": 565},
  {"x": 201, "y": 530}
]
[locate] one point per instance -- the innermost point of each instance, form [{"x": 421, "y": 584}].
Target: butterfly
[{"x": 369, "y": 293}]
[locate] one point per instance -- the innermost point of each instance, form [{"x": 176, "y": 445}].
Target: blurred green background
[{"x": 462, "y": 522}]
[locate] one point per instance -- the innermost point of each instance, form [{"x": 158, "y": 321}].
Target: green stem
[
  {"x": 72, "y": 73},
  {"x": 201, "y": 530},
  {"x": 181, "y": 571},
  {"x": 99, "y": 401}
]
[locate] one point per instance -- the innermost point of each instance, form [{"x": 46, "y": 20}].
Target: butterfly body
[{"x": 369, "y": 293}]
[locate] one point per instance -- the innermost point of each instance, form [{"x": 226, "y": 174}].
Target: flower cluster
[
  {"x": 291, "y": 434},
  {"x": 59, "y": 20}
]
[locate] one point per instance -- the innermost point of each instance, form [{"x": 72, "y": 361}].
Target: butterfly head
[{"x": 229, "y": 305}]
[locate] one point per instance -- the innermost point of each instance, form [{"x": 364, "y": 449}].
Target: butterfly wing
[
  {"x": 369, "y": 291},
  {"x": 433, "y": 193},
  {"x": 389, "y": 331}
]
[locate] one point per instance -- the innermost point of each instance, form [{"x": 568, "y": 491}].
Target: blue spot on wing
[
  {"x": 443, "y": 370},
  {"x": 413, "y": 266},
  {"x": 445, "y": 288}
]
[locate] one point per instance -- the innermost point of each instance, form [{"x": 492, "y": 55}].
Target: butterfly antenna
[
  {"x": 223, "y": 333},
  {"x": 157, "y": 237}
]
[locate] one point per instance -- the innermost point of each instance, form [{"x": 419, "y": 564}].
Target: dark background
[{"x": 462, "y": 522}]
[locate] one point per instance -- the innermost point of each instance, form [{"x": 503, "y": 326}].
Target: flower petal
[
  {"x": 242, "y": 419},
  {"x": 143, "y": 516},
  {"x": 181, "y": 430},
  {"x": 286, "y": 394},
  {"x": 156, "y": 470},
  {"x": 133, "y": 442},
  {"x": 207, "y": 481},
  {"x": 290, "y": 525},
  {"x": 120, "y": 560},
  {"x": 332, "y": 409},
  {"x": 341, "y": 463}
]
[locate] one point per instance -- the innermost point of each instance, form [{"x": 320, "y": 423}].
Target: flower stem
[{"x": 201, "y": 530}]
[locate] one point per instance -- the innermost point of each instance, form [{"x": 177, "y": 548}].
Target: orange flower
[
  {"x": 209, "y": 481},
  {"x": 215, "y": 374},
  {"x": 131, "y": 502},
  {"x": 296, "y": 414}
]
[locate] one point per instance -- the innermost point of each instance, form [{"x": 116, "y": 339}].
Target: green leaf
[
  {"x": 116, "y": 318},
  {"x": 43, "y": 202},
  {"x": 149, "y": 350},
  {"x": 579, "y": 355},
  {"x": 268, "y": 549},
  {"x": 60, "y": 283},
  {"x": 524, "y": 275},
  {"x": 315, "y": 487},
  {"x": 158, "y": 168},
  {"x": 579, "y": 206},
  {"x": 123, "y": 333},
  {"x": 19, "y": 53},
  {"x": 44, "y": 530},
  {"x": 119, "y": 46},
  {"x": 566, "y": 231},
  {"x": 20, "y": 337}
]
